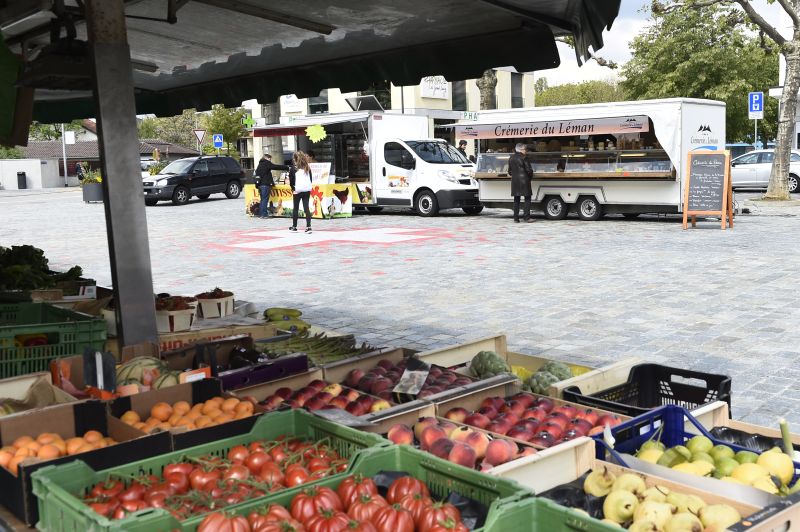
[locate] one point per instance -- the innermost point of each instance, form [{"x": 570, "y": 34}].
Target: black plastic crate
[{"x": 652, "y": 385}]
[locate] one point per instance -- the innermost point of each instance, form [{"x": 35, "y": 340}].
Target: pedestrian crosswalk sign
[{"x": 217, "y": 140}]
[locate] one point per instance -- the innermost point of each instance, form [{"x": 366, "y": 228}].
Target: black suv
[{"x": 194, "y": 176}]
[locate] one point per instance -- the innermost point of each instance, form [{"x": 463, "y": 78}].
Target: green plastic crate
[
  {"x": 542, "y": 515},
  {"x": 56, "y": 486},
  {"x": 68, "y": 333}
]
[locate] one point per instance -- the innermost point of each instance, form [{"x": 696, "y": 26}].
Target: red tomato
[
  {"x": 108, "y": 489},
  {"x": 182, "y": 467},
  {"x": 256, "y": 460},
  {"x": 365, "y": 506},
  {"x": 204, "y": 480},
  {"x": 353, "y": 486},
  {"x": 128, "y": 507},
  {"x": 237, "y": 472},
  {"x": 238, "y": 454},
  {"x": 278, "y": 454},
  {"x": 275, "y": 512},
  {"x": 271, "y": 473},
  {"x": 309, "y": 501},
  {"x": 393, "y": 518},
  {"x": 438, "y": 512},
  {"x": 177, "y": 481},
  {"x": 105, "y": 508},
  {"x": 283, "y": 525},
  {"x": 318, "y": 464},
  {"x": 134, "y": 493},
  {"x": 296, "y": 476},
  {"x": 449, "y": 526},
  {"x": 404, "y": 486},
  {"x": 360, "y": 526},
  {"x": 327, "y": 520},
  {"x": 219, "y": 522},
  {"x": 415, "y": 503},
  {"x": 255, "y": 446}
]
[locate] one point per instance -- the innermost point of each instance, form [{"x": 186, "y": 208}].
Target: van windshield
[
  {"x": 178, "y": 167},
  {"x": 437, "y": 152}
]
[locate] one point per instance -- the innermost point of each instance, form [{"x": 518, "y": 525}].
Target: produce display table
[{"x": 327, "y": 201}]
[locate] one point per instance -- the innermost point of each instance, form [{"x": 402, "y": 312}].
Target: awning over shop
[{"x": 298, "y": 125}]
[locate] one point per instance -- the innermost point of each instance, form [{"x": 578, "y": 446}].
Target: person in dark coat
[
  {"x": 462, "y": 147},
  {"x": 264, "y": 181},
  {"x": 519, "y": 168}
]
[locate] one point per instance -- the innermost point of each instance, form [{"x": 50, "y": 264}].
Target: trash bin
[{"x": 22, "y": 181}]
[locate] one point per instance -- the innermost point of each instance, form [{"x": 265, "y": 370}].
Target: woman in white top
[{"x": 300, "y": 181}]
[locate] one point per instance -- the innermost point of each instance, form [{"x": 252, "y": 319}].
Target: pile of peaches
[
  {"x": 165, "y": 416},
  {"x": 381, "y": 379},
  {"x": 321, "y": 395},
  {"x": 534, "y": 419},
  {"x": 49, "y": 445}
]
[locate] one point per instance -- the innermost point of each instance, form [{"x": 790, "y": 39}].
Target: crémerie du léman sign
[{"x": 555, "y": 128}]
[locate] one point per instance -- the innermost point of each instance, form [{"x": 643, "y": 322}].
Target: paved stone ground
[{"x": 593, "y": 293}]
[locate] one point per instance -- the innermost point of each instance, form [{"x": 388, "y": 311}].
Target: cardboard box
[
  {"x": 33, "y": 391},
  {"x": 195, "y": 355},
  {"x": 461, "y": 355},
  {"x": 171, "y": 341},
  {"x": 68, "y": 421},
  {"x": 191, "y": 392}
]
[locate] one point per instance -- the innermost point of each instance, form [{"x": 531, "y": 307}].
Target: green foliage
[
  {"x": 91, "y": 175},
  {"x": 26, "y": 268},
  {"x": 576, "y": 93},
  {"x": 11, "y": 153},
  {"x": 40, "y": 131},
  {"x": 540, "y": 85},
  {"x": 173, "y": 129},
  {"x": 708, "y": 53},
  {"x": 225, "y": 121},
  {"x": 157, "y": 167}
]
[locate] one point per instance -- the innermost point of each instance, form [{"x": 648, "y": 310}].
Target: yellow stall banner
[{"x": 327, "y": 201}]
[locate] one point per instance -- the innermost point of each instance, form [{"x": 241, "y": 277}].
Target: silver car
[{"x": 752, "y": 170}]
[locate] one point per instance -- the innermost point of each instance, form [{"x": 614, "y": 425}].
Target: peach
[
  {"x": 534, "y": 413},
  {"x": 448, "y": 427},
  {"x": 477, "y": 420},
  {"x": 494, "y": 402},
  {"x": 461, "y": 434},
  {"x": 514, "y": 407},
  {"x": 488, "y": 411},
  {"x": 441, "y": 448},
  {"x": 567, "y": 410},
  {"x": 545, "y": 403},
  {"x": 527, "y": 399},
  {"x": 479, "y": 441},
  {"x": 500, "y": 426},
  {"x": 430, "y": 435},
  {"x": 520, "y": 433},
  {"x": 380, "y": 404},
  {"x": 589, "y": 415},
  {"x": 422, "y": 424},
  {"x": 462, "y": 454},
  {"x": 457, "y": 414},
  {"x": 499, "y": 452},
  {"x": 400, "y": 434}
]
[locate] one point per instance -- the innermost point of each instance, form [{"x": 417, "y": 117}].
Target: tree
[
  {"x": 575, "y": 93},
  {"x": 736, "y": 22},
  {"x": 225, "y": 121},
  {"x": 486, "y": 85},
  {"x": 174, "y": 129},
  {"x": 39, "y": 131},
  {"x": 540, "y": 85},
  {"x": 10, "y": 153}
]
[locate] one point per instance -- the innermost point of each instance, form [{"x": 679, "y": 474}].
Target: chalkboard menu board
[{"x": 707, "y": 190}]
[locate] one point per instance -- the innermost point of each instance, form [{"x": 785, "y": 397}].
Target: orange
[
  {"x": 34, "y": 446},
  {"x": 194, "y": 415},
  {"x": 73, "y": 444},
  {"x": 5, "y": 458},
  {"x": 210, "y": 406},
  {"x": 244, "y": 406},
  {"x": 181, "y": 407},
  {"x": 22, "y": 441},
  {"x": 48, "y": 452},
  {"x": 47, "y": 437},
  {"x": 13, "y": 465},
  {"x": 218, "y": 400},
  {"x": 61, "y": 446},
  {"x": 241, "y": 415},
  {"x": 222, "y": 418},
  {"x": 174, "y": 418},
  {"x": 229, "y": 404},
  {"x": 92, "y": 436},
  {"x": 85, "y": 448},
  {"x": 202, "y": 421},
  {"x": 130, "y": 417},
  {"x": 140, "y": 425},
  {"x": 161, "y": 411}
]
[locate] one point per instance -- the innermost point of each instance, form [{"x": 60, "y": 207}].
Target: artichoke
[
  {"x": 488, "y": 364},
  {"x": 559, "y": 369},
  {"x": 541, "y": 382}
]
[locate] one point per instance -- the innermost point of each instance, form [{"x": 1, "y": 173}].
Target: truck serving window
[{"x": 437, "y": 152}]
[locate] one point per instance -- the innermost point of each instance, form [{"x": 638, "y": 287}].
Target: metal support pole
[
  {"x": 755, "y": 134},
  {"x": 64, "y": 153},
  {"x": 126, "y": 223}
]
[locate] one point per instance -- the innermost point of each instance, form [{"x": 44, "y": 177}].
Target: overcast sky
[{"x": 630, "y": 22}]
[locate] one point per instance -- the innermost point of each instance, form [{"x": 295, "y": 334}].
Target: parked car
[
  {"x": 752, "y": 170},
  {"x": 194, "y": 176},
  {"x": 146, "y": 163}
]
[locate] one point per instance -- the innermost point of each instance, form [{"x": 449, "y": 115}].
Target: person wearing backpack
[{"x": 300, "y": 181}]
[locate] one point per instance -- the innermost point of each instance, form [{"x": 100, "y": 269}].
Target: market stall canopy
[
  {"x": 298, "y": 125},
  {"x": 195, "y": 53}
]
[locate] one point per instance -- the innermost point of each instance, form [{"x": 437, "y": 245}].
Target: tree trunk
[
  {"x": 778, "y": 188},
  {"x": 486, "y": 84}
]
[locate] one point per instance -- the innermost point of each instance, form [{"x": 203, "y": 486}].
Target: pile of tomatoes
[
  {"x": 199, "y": 485},
  {"x": 355, "y": 506}
]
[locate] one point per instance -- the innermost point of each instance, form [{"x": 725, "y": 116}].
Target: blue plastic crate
[{"x": 629, "y": 436}]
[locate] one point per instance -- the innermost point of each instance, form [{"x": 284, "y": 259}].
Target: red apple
[
  {"x": 554, "y": 430},
  {"x": 589, "y": 415},
  {"x": 525, "y": 398},
  {"x": 581, "y": 426},
  {"x": 462, "y": 454},
  {"x": 495, "y": 402},
  {"x": 457, "y": 414},
  {"x": 435, "y": 372},
  {"x": 380, "y": 384},
  {"x": 386, "y": 395},
  {"x": 325, "y": 397},
  {"x": 488, "y": 411},
  {"x": 500, "y": 426},
  {"x": 380, "y": 404},
  {"x": 520, "y": 433},
  {"x": 557, "y": 419},
  {"x": 400, "y": 434},
  {"x": 477, "y": 420},
  {"x": 534, "y": 413},
  {"x": 514, "y": 407},
  {"x": 422, "y": 424},
  {"x": 334, "y": 389},
  {"x": 351, "y": 395},
  {"x": 314, "y": 403},
  {"x": 530, "y": 424},
  {"x": 365, "y": 383},
  {"x": 441, "y": 448},
  {"x": 508, "y": 416},
  {"x": 462, "y": 381},
  {"x": 430, "y": 435},
  {"x": 499, "y": 452},
  {"x": 365, "y": 400},
  {"x": 543, "y": 439},
  {"x": 353, "y": 377},
  {"x": 567, "y": 410},
  {"x": 545, "y": 403}
]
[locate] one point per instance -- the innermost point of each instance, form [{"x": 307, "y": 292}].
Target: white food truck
[
  {"x": 391, "y": 159},
  {"x": 626, "y": 157}
]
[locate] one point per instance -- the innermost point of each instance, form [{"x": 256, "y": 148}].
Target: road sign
[
  {"x": 755, "y": 105},
  {"x": 217, "y": 140},
  {"x": 200, "y": 134}
]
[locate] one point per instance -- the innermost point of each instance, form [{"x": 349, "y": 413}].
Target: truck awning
[{"x": 298, "y": 125}]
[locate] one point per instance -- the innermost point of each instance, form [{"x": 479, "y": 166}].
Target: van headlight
[{"x": 447, "y": 174}]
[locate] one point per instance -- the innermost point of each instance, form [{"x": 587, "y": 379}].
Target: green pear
[
  {"x": 705, "y": 457},
  {"x": 643, "y": 526},
  {"x": 684, "y": 451},
  {"x": 746, "y": 457},
  {"x": 619, "y": 506},
  {"x": 655, "y": 493},
  {"x": 671, "y": 457},
  {"x": 653, "y": 444},
  {"x": 724, "y": 467},
  {"x": 655, "y": 512},
  {"x": 598, "y": 482},
  {"x": 719, "y": 516},
  {"x": 685, "y": 503},
  {"x": 721, "y": 451},
  {"x": 683, "y": 522},
  {"x": 630, "y": 482},
  {"x": 699, "y": 444}
]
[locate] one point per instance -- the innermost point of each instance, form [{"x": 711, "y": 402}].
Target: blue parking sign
[
  {"x": 217, "y": 140},
  {"x": 755, "y": 105}
]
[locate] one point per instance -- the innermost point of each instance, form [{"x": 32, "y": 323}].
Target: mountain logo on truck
[
  {"x": 632, "y": 123},
  {"x": 704, "y": 139},
  {"x": 704, "y": 129}
]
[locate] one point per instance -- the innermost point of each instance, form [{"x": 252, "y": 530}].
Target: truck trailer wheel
[
  {"x": 425, "y": 203},
  {"x": 555, "y": 208},
  {"x": 589, "y": 208}
]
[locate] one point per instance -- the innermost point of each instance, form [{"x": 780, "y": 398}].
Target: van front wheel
[{"x": 426, "y": 203}]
